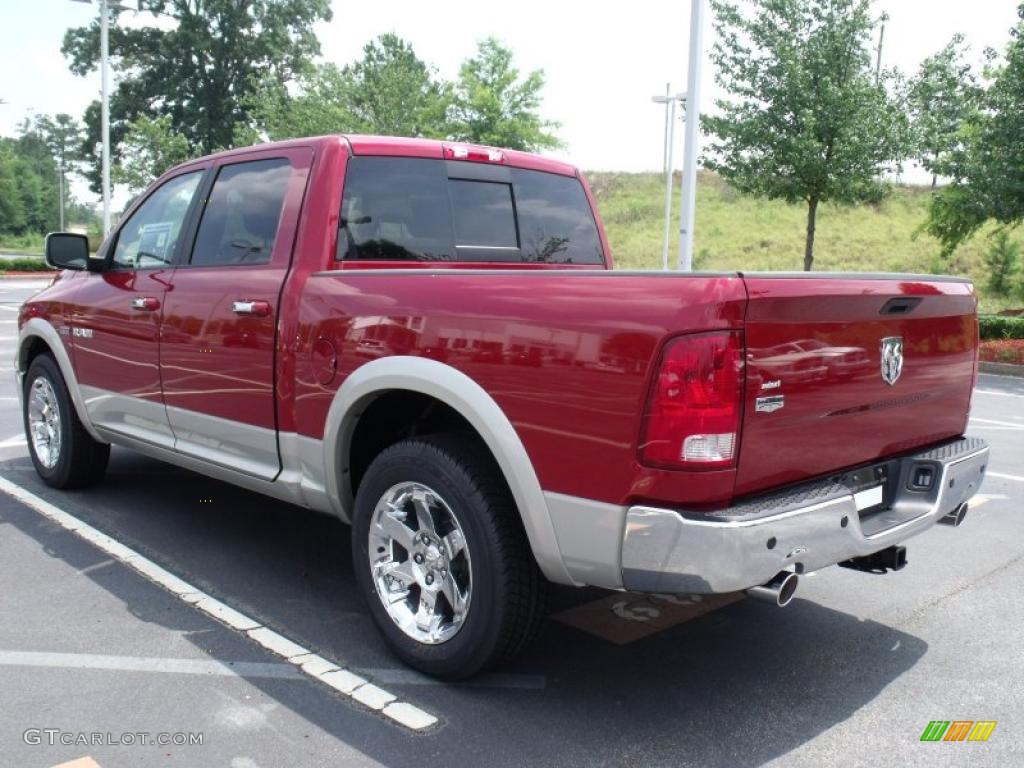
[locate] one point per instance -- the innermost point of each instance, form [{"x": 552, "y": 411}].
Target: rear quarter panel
[{"x": 566, "y": 354}]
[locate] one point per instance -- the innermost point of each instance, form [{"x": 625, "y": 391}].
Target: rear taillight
[{"x": 692, "y": 418}]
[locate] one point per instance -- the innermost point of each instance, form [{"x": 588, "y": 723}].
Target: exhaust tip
[
  {"x": 788, "y": 589},
  {"x": 956, "y": 517},
  {"x": 780, "y": 590}
]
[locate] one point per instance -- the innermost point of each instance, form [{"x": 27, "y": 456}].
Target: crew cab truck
[{"x": 427, "y": 340}]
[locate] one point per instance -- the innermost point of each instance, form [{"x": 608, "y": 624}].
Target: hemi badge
[{"x": 770, "y": 404}]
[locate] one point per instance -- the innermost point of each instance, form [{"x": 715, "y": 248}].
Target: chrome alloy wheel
[
  {"x": 419, "y": 562},
  {"x": 44, "y": 421}
]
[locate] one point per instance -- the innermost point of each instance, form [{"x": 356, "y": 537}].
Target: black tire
[
  {"x": 508, "y": 590},
  {"x": 81, "y": 460}
]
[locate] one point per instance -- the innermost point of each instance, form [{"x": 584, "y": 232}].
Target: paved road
[{"x": 850, "y": 674}]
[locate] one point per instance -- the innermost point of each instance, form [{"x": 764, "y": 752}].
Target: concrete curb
[{"x": 1001, "y": 369}]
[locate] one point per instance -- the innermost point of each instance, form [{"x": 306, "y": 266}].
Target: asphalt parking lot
[{"x": 849, "y": 674}]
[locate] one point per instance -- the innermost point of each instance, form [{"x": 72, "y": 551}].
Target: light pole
[
  {"x": 881, "y": 39},
  {"x": 105, "y": 110},
  {"x": 105, "y": 8},
  {"x": 60, "y": 187},
  {"x": 666, "y": 100},
  {"x": 689, "y": 182},
  {"x": 670, "y": 135}
]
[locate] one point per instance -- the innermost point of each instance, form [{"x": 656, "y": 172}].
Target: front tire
[
  {"x": 64, "y": 454},
  {"x": 442, "y": 559}
]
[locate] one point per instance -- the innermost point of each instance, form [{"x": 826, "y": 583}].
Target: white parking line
[
  {"x": 347, "y": 683},
  {"x": 997, "y": 392},
  {"x": 1001, "y": 476},
  {"x": 148, "y": 664},
  {"x": 1009, "y": 424},
  {"x": 14, "y": 442}
]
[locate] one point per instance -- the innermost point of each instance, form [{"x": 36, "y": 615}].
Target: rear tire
[
  {"x": 408, "y": 569},
  {"x": 64, "y": 454}
]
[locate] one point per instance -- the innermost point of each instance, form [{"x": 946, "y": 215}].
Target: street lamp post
[
  {"x": 105, "y": 7},
  {"x": 881, "y": 40},
  {"x": 689, "y": 182},
  {"x": 666, "y": 100},
  {"x": 670, "y": 132},
  {"x": 105, "y": 110},
  {"x": 60, "y": 187}
]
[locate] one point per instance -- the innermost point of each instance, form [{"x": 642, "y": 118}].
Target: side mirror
[{"x": 67, "y": 250}]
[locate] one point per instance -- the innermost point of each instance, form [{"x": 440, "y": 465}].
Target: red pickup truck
[{"x": 427, "y": 340}]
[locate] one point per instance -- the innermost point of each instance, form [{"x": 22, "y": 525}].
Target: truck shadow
[{"x": 737, "y": 687}]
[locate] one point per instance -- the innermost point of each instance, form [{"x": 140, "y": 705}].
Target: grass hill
[{"x": 739, "y": 232}]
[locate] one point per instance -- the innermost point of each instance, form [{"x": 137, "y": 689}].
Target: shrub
[
  {"x": 1002, "y": 259},
  {"x": 996, "y": 327},
  {"x": 1007, "y": 351},
  {"x": 24, "y": 264}
]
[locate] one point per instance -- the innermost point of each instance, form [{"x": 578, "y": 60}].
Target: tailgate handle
[{"x": 901, "y": 306}]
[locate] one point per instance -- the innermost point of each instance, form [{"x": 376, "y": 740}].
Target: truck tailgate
[{"x": 817, "y": 396}]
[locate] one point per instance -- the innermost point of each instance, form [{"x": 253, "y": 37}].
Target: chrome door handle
[
  {"x": 145, "y": 303},
  {"x": 258, "y": 308}
]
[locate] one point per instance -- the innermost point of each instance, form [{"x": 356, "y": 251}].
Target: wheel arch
[
  {"x": 38, "y": 336},
  {"x": 475, "y": 406}
]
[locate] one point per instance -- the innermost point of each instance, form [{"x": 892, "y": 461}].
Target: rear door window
[
  {"x": 240, "y": 219},
  {"x": 432, "y": 210}
]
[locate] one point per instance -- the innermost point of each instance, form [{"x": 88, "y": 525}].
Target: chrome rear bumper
[{"x": 802, "y": 528}]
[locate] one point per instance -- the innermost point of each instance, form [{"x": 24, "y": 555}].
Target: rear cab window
[{"x": 420, "y": 209}]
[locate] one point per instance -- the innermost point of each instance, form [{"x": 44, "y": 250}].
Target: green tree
[
  {"x": 392, "y": 92},
  {"x": 62, "y": 135},
  {"x": 149, "y": 148},
  {"x": 12, "y": 210},
  {"x": 1003, "y": 260},
  {"x": 805, "y": 120},
  {"x": 941, "y": 97},
  {"x": 492, "y": 105},
  {"x": 987, "y": 165},
  {"x": 389, "y": 91},
  {"x": 37, "y": 179},
  {"x": 200, "y": 73},
  {"x": 318, "y": 107}
]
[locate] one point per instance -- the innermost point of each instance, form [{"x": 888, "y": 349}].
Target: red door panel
[
  {"x": 220, "y": 314},
  {"x": 116, "y": 316}
]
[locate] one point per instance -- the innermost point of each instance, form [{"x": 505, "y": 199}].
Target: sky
[{"x": 602, "y": 61}]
